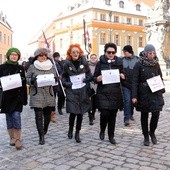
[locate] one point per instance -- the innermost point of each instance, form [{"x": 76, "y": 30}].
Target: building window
[
  {"x": 8, "y": 40},
  {"x": 107, "y": 2},
  {"x": 140, "y": 22},
  {"x": 61, "y": 43},
  {"x": 116, "y": 19},
  {"x": 129, "y": 40},
  {"x": 138, "y": 7},
  {"x": 4, "y": 38},
  {"x": 102, "y": 38},
  {"x": 129, "y": 21},
  {"x": 102, "y": 17},
  {"x": 140, "y": 42},
  {"x": 121, "y": 4},
  {"x": 117, "y": 39},
  {"x": 0, "y": 36}
]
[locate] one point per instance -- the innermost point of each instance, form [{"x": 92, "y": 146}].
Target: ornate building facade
[
  {"x": 5, "y": 37},
  {"x": 118, "y": 21}
]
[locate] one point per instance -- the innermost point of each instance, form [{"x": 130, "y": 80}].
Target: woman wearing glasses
[
  {"x": 76, "y": 78},
  {"x": 13, "y": 99},
  {"x": 108, "y": 74},
  {"x": 41, "y": 96},
  {"x": 144, "y": 94}
]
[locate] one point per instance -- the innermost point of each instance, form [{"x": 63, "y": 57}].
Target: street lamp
[{"x": 110, "y": 15}]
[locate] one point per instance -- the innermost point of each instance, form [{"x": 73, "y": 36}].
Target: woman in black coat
[
  {"x": 77, "y": 99},
  {"x": 109, "y": 95},
  {"x": 145, "y": 100},
  {"x": 13, "y": 99}
]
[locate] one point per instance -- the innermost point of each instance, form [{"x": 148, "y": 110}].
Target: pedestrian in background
[
  {"x": 13, "y": 99},
  {"x": 109, "y": 97},
  {"x": 76, "y": 72},
  {"x": 58, "y": 89},
  {"x": 92, "y": 64},
  {"x": 41, "y": 98},
  {"x": 147, "y": 101},
  {"x": 129, "y": 61}
]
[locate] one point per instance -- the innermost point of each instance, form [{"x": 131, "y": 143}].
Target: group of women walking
[{"x": 76, "y": 77}]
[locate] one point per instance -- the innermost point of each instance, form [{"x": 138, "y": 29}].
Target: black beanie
[
  {"x": 56, "y": 54},
  {"x": 128, "y": 48}
]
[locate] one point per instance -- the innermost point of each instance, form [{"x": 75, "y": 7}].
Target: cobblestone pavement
[{"x": 61, "y": 153}]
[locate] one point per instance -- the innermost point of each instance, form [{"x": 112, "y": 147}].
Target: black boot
[
  {"x": 70, "y": 133},
  {"x": 41, "y": 140},
  {"x": 47, "y": 118},
  {"x": 146, "y": 140},
  {"x": 77, "y": 137},
  {"x": 153, "y": 137},
  {"x": 102, "y": 135},
  {"x": 112, "y": 140},
  {"x": 91, "y": 120},
  {"x": 39, "y": 124}
]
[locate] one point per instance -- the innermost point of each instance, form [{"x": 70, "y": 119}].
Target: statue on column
[{"x": 157, "y": 24}]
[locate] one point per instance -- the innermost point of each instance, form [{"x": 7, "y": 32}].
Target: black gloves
[
  {"x": 34, "y": 81},
  {"x": 67, "y": 84}
]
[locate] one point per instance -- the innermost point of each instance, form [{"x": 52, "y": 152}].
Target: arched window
[
  {"x": 121, "y": 4},
  {"x": 138, "y": 7}
]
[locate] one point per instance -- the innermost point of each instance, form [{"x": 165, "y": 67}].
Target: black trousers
[
  {"x": 61, "y": 98},
  {"x": 93, "y": 107},
  {"x": 108, "y": 117},
  {"x": 78, "y": 121},
  {"x": 153, "y": 122},
  {"x": 42, "y": 119}
]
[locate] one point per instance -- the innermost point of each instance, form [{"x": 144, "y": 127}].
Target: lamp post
[{"x": 110, "y": 16}]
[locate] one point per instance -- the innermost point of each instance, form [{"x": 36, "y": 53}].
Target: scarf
[
  {"x": 148, "y": 61},
  {"x": 11, "y": 62},
  {"x": 45, "y": 65}
]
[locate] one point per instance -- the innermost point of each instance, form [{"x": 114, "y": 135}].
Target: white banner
[
  {"x": 155, "y": 83},
  {"x": 11, "y": 82}
]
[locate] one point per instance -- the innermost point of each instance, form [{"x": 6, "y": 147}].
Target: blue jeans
[
  {"x": 128, "y": 106},
  {"x": 13, "y": 120}
]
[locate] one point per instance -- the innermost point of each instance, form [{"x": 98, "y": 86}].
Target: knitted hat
[
  {"x": 13, "y": 50},
  {"x": 56, "y": 54},
  {"x": 149, "y": 47},
  {"x": 128, "y": 48},
  {"x": 41, "y": 51}
]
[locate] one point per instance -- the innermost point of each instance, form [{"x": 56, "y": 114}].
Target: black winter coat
[
  {"x": 147, "y": 101},
  {"x": 77, "y": 100},
  {"x": 108, "y": 96},
  {"x": 14, "y": 99}
]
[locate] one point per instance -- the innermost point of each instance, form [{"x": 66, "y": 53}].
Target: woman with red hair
[{"x": 76, "y": 79}]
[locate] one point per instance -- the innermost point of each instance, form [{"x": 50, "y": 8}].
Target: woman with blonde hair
[{"x": 76, "y": 78}]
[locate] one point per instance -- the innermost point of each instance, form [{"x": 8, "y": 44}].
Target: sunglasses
[
  {"x": 41, "y": 55},
  {"x": 150, "y": 53},
  {"x": 110, "y": 52},
  {"x": 75, "y": 52}
]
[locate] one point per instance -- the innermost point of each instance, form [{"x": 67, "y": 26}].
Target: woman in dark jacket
[
  {"x": 77, "y": 99},
  {"x": 109, "y": 95},
  {"x": 13, "y": 99},
  {"x": 145, "y": 100}
]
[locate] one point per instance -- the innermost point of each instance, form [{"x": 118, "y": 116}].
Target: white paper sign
[
  {"x": 155, "y": 83},
  {"x": 77, "y": 81},
  {"x": 110, "y": 76},
  {"x": 11, "y": 82},
  {"x": 45, "y": 80}
]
